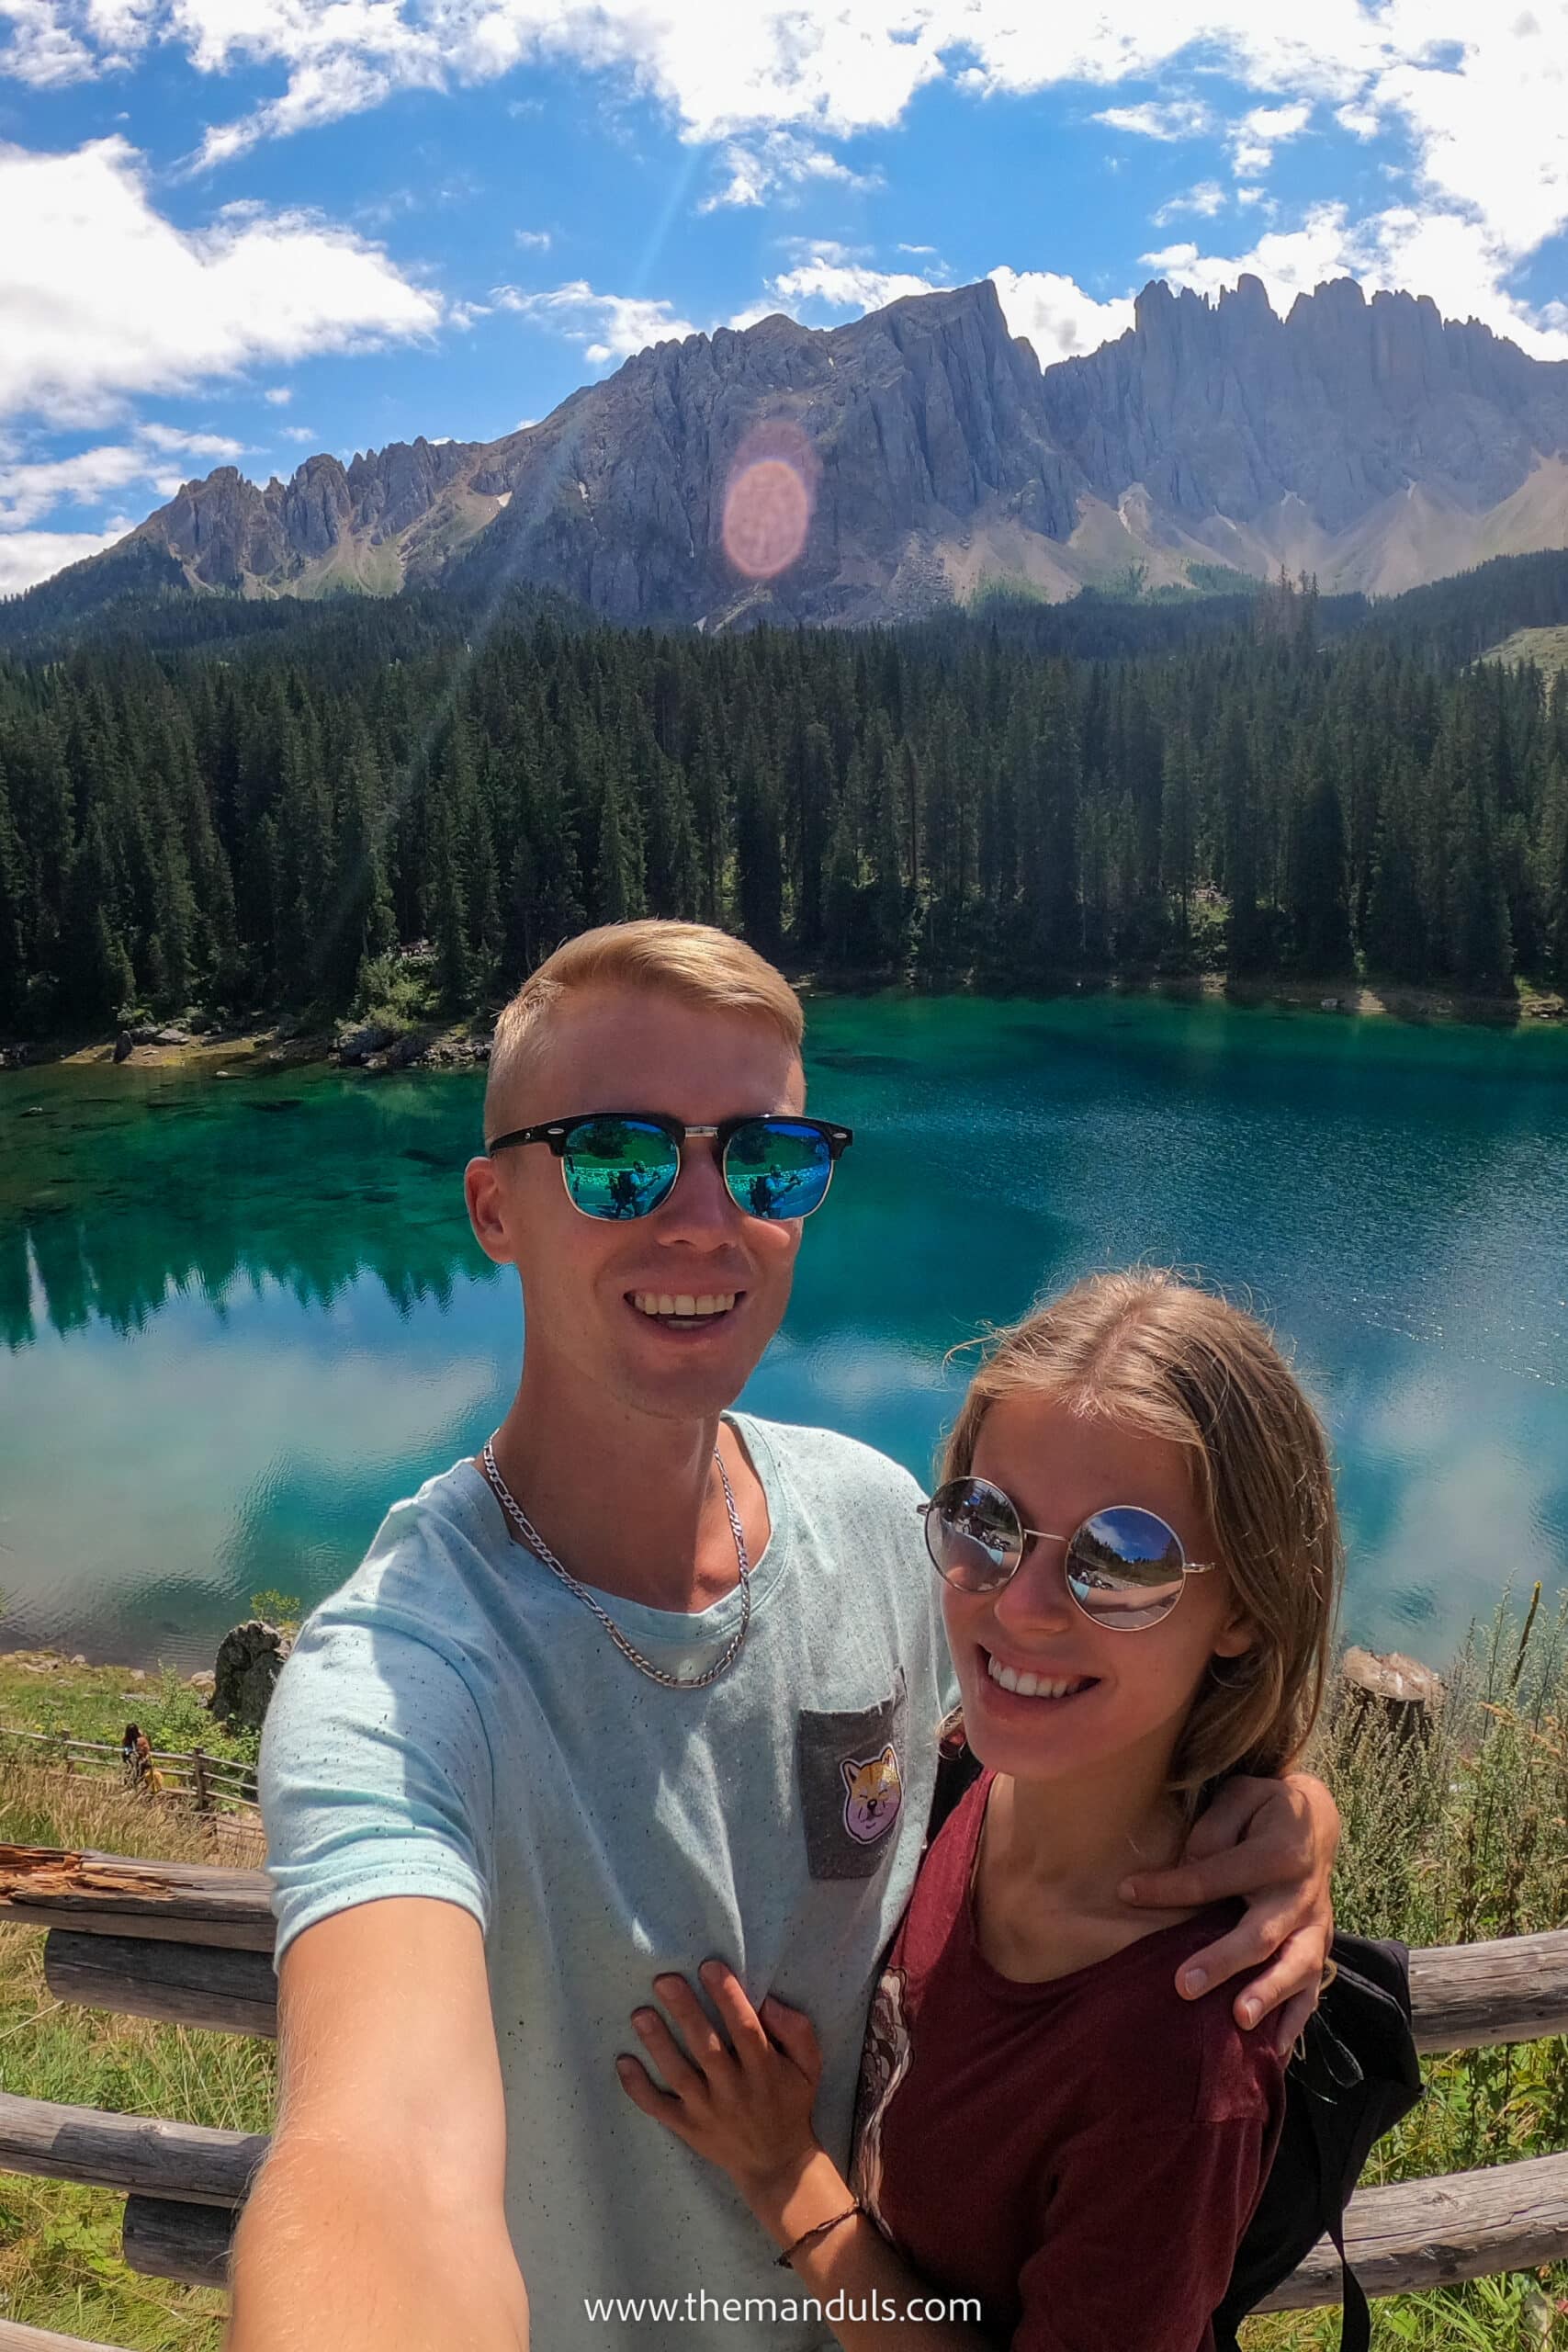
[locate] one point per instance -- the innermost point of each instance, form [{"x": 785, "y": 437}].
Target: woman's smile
[{"x": 1025, "y": 1682}]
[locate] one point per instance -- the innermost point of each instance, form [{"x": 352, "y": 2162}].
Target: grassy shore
[
  {"x": 41, "y": 1690},
  {"x": 1460, "y": 1836},
  {"x": 442, "y": 1043}
]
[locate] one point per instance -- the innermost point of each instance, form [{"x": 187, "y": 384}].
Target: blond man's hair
[
  {"x": 692, "y": 961},
  {"x": 1153, "y": 1353}
]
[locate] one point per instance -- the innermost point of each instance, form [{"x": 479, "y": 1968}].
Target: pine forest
[{"x": 293, "y": 813}]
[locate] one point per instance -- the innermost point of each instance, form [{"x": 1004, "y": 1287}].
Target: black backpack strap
[
  {"x": 1356, "y": 2323},
  {"x": 1356, "y": 2317},
  {"x": 957, "y": 1770}
]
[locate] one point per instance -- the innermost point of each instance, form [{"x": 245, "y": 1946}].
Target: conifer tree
[
  {"x": 12, "y": 974},
  {"x": 1396, "y": 934},
  {"x": 95, "y": 978},
  {"x": 618, "y": 892},
  {"x": 1319, "y": 903},
  {"x": 448, "y": 913},
  {"x": 759, "y": 848},
  {"x": 1554, "y": 864}
]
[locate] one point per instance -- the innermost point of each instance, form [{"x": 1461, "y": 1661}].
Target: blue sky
[{"x": 240, "y": 231}]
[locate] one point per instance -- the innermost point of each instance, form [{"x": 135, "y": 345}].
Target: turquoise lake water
[{"x": 238, "y": 1317}]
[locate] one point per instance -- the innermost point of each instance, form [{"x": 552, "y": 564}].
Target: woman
[{"x": 1136, "y": 1531}]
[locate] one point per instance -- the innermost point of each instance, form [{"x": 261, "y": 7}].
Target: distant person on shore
[
  {"x": 648, "y": 1678},
  {"x": 1136, "y": 1535},
  {"x": 136, "y": 1757}
]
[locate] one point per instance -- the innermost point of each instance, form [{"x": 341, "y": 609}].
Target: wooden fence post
[{"x": 203, "y": 1794}]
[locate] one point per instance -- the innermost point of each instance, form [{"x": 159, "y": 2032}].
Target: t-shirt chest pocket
[{"x": 852, "y": 1763}]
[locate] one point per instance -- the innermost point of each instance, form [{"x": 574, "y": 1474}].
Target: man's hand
[{"x": 1274, "y": 1842}]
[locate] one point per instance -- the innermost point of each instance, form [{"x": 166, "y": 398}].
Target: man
[{"x": 647, "y": 1683}]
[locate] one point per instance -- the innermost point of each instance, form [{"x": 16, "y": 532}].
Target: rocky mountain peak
[{"x": 1366, "y": 438}]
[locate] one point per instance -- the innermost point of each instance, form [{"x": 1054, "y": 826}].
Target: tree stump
[{"x": 1391, "y": 1690}]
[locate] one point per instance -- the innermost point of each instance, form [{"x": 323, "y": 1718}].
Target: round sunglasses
[
  {"x": 1125, "y": 1567},
  {"x": 626, "y": 1163}
]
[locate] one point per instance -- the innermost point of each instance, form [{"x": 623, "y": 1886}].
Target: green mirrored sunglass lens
[
  {"x": 1125, "y": 1567},
  {"x": 619, "y": 1167},
  {"x": 777, "y": 1169}
]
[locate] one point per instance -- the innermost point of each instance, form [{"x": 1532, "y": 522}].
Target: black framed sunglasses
[
  {"x": 626, "y": 1163},
  {"x": 1125, "y": 1567}
]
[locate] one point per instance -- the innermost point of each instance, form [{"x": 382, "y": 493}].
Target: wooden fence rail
[
  {"x": 105, "y": 1895},
  {"x": 15, "y": 2338},
  {"x": 186, "y": 1772},
  {"x": 188, "y": 2162},
  {"x": 1436, "y": 2232},
  {"x": 1466, "y": 1997},
  {"x": 193, "y": 1946}
]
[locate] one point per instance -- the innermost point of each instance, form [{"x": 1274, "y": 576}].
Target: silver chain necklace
[{"x": 536, "y": 1543}]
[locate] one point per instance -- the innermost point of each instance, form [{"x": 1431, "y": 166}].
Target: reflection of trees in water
[
  {"x": 116, "y": 1264},
  {"x": 112, "y": 1206}
]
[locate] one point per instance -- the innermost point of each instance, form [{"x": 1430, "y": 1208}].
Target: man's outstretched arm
[
  {"x": 1274, "y": 1843},
  {"x": 376, "y": 2223}
]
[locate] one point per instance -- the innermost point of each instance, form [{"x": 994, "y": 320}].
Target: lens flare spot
[{"x": 768, "y": 502}]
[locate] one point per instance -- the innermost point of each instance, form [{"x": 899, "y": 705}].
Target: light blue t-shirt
[{"x": 454, "y": 1722}]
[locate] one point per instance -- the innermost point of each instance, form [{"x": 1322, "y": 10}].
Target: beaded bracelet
[{"x": 819, "y": 2231}]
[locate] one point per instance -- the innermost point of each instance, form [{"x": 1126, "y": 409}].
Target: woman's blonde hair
[
  {"x": 1152, "y": 1352},
  {"x": 690, "y": 960}
]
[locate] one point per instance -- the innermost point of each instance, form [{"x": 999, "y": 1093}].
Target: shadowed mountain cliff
[{"x": 1370, "y": 442}]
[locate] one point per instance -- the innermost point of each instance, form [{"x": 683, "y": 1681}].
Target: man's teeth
[
  {"x": 660, "y": 1302},
  {"x": 1035, "y": 1686}
]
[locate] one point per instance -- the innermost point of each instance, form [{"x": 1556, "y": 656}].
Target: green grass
[
  {"x": 40, "y": 1691},
  {"x": 1547, "y": 648},
  {"x": 1460, "y": 1836},
  {"x": 1454, "y": 1841}
]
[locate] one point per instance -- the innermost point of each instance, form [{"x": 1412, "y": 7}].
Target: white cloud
[
  {"x": 533, "y": 240},
  {"x": 1477, "y": 96},
  {"x": 277, "y": 395},
  {"x": 28, "y": 557},
  {"x": 42, "y": 50},
  {"x": 1253, "y": 138},
  {"x": 1179, "y": 118},
  {"x": 606, "y": 326},
  {"x": 836, "y": 279},
  {"x": 299, "y": 433},
  {"x": 1360, "y": 121},
  {"x": 761, "y": 168},
  {"x": 1060, "y": 319},
  {"x": 1207, "y": 198},
  {"x": 103, "y": 297},
  {"x": 193, "y": 445},
  {"x": 31, "y": 488}
]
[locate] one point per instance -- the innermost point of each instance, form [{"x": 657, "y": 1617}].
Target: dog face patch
[
  {"x": 875, "y": 1790},
  {"x": 851, "y": 1784}
]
